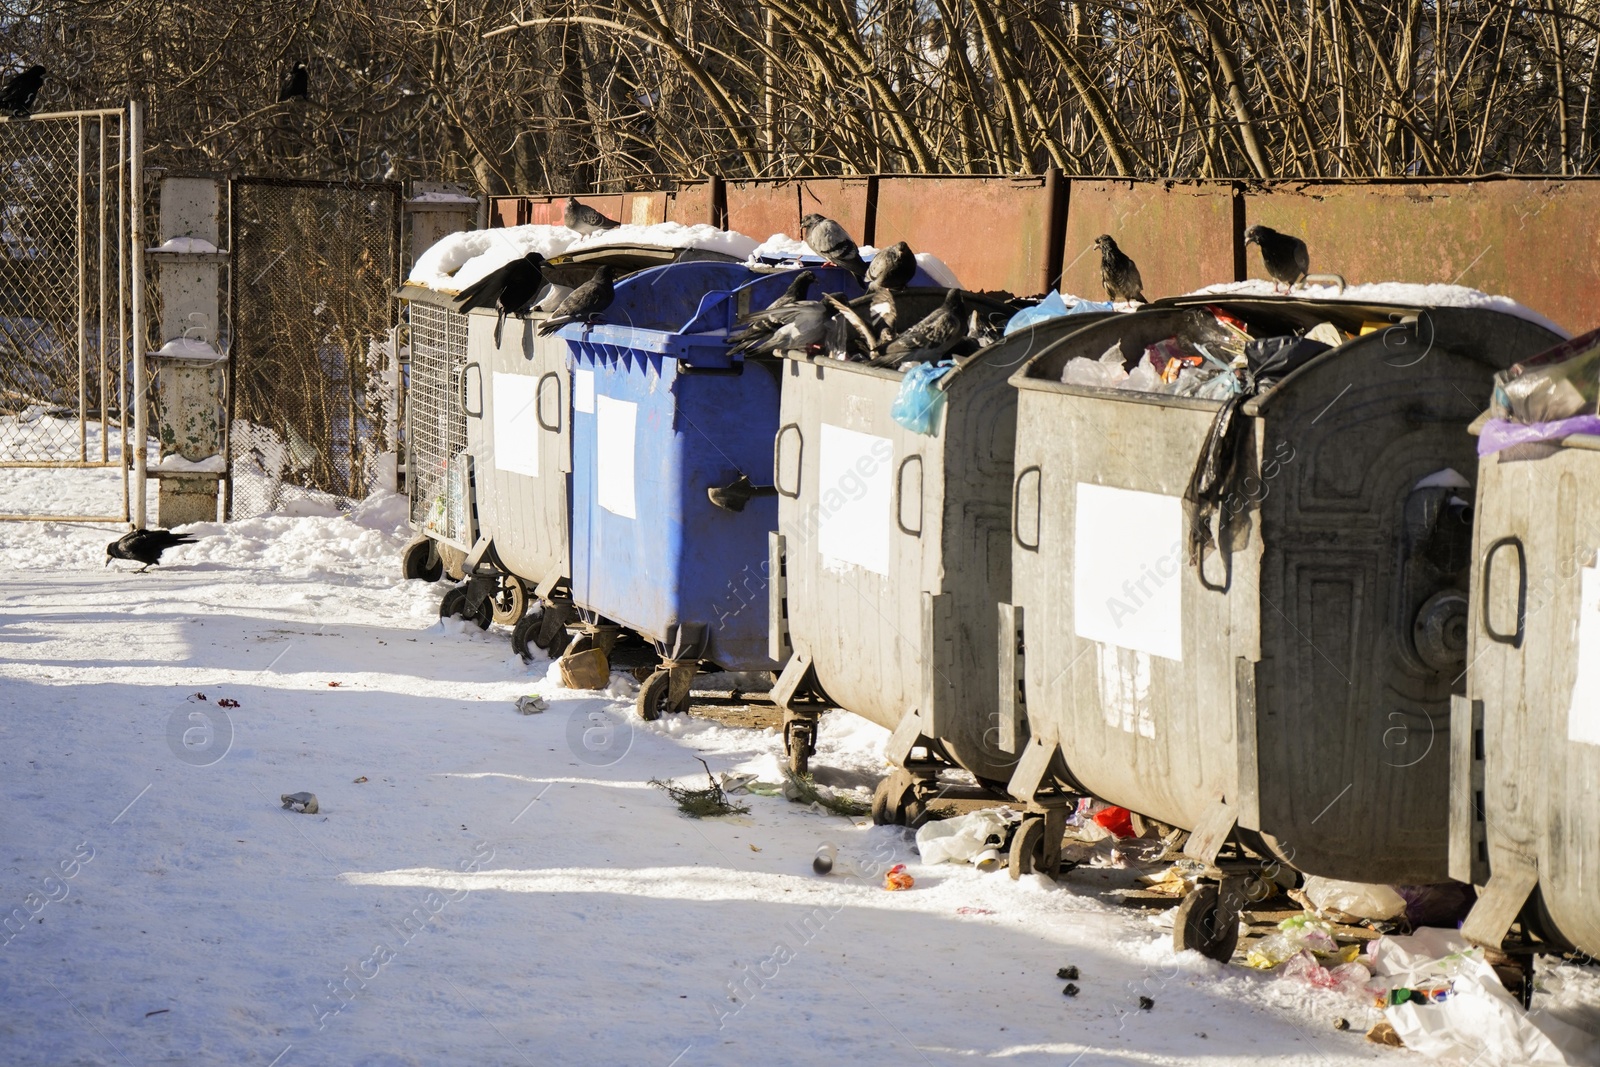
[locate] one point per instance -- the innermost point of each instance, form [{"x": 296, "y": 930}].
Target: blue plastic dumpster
[{"x": 672, "y": 490}]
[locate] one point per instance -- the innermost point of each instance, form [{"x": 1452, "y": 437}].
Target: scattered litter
[
  {"x": 304, "y": 803},
  {"x": 1068, "y": 973},
  {"x": 198, "y": 696},
  {"x": 1341, "y": 1023},
  {"x": 1145, "y": 1003},
  {"x": 227, "y": 702},
  {"x": 964, "y": 910},
  {"x": 335, "y": 685},
  {"x": 531, "y": 704},
  {"x": 896, "y": 878},
  {"x": 158, "y": 1011},
  {"x": 1069, "y": 990},
  {"x": 1299, "y": 933},
  {"x": 1356, "y": 899},
  {"x": 1382, "y": 1033},
  {"x": 700, "y": 803},
  {"x": 753, "y": 848},
  {"x": 802, "y": 790},
  {"x": 360, "y": 780},
  {"x": 965, "y": 838},
  {"x": 1349, "y": 978}
]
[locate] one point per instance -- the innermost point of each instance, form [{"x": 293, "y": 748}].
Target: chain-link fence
[
  {"x": 313, "y": 400},
  {"x": 63, "y": 284}
]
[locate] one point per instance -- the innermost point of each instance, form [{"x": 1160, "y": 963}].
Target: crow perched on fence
[
  {"x": 295, "y": 85},
  {"x": 892, "y": 268},
  {"x": 21, "y": 91},
  {"x": 830, "y": 241},
  {"x": 585, "y": 219},
  {"x": 1118, "y": 273},
  {"x": 144, "y": 546},
  {"x": 584, "y": 302},
  {"x": 1286, "y": 257}
]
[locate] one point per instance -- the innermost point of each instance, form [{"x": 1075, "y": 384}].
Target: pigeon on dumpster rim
[
  {"x": 1118, "y": 273},
  {"x": 829, "y": 240},
  {"x": 797, "y": 293},
  {"x": 806, "y": 328},
  {"x": 144, "y": 546},
  {"x": 585, "y": 219},
  {"x": 584, "y": 302},
  {"x": 1286, "y": 257},
  {"x": 932, "y": 337},
  {"x": 892, "y": 268},
  {"x": 21, "y": 91},
  {"x": 295, "y": 86},
  {"x": 522, "y": 282},
  {"x": 779, "y": 311}
]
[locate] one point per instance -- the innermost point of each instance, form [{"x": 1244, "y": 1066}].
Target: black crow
[
  {"x": 830, "y": 241},
  {"x": 1118, "y": 273},
  {"x": 20, "y": 92},
  {"x": 144, "y": 546},
  {"x": 1286, "y": 257},
  {"x": 485, "y": 292},
  {"x": 932, "y": 337},
  {"x": 521, "y": 283},
  {"x": 295, "y": 85},
  {"x": 585, "y": 219},
  {"x": 891, "y": 268},
  {"x": 584, "y": 302}
]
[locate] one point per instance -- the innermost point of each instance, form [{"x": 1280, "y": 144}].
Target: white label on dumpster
[
  {"x": 516, "y": 424},
  {"x": 1583, "y": 717},
  {"x": 614, "y": 422},
  {"x": 583, "y": 391},
  {"x": 853, "y": 498},
  {"x": 1127, "y": 569}
]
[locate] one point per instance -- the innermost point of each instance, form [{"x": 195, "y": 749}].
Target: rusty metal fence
[
  {"x": 313, "y": 392},
  {"x": 64, "y": 306}
]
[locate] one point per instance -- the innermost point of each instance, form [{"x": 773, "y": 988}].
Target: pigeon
[
  {"x": 20, "y": 92},
  {"x": 1118, "y": 273},
  {"x": 584, "y": 302},
  {"x": 585, "y": 219},
  {"x": 932, "y": 337},
  {"x": 1286, "y": 257},
  {"x": 779, "y": 311},
  {"x": 522, "y": 282},
  {"x": 144, "y": 546},
  {"x": 891, "y": 268},
  {"x": 797, "y": 292},
  {"x": 805, "y": 329},
  {"x": 295, "y": 85},
  {"x": 830, "y": 241}
]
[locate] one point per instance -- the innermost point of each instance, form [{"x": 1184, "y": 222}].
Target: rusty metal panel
[
  {"x": 691, "y": 203},
  {"x": 1181, "y": 234},
  {"x": 760, "y": 209},
  {"x": 1529, "y": 239},
  {"x": 993, "y": 232},
  {"x": 845, "y": 200},
  {"x": 505, "y": 210},
  {"x": 642, "y": 209}
]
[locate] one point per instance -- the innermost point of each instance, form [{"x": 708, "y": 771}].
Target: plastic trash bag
[
  {"x": 1145, "y": 378},
  {"x": 1476, "y": 1022},
  {"x": 921, "y": 398},
  {"x": 1107, "y": 372},
  {"x": 962, "y": 839},
  {"x": 1500, "y": 434},
  {"x": 1051, "y": 307},
  {"x": 1377, "y": 902},
  {"x": 1296, "y": 934},
  {"x": 1557, "y": 384},
  {"x": 1347, "y": 978}
]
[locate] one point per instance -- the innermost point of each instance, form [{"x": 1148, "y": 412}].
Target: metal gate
[
  {"x": 313, "y": 388},
  {"x": 66, "y": 286}
]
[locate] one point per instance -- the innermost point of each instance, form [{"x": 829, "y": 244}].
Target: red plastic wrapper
[
  {"x": 1118, "y": 820},
  {"x": 897, "y": 878}
]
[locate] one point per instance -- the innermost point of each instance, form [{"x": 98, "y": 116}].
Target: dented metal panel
[
  {"x": 692, "y": 203},
  {"x": 760, "y": 209},
  {"x": 993, "y": 232},
  {"x": 1181, "y": 234}
]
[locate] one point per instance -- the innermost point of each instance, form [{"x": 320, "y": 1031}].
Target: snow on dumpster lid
[
  {"x": 460, "y": 259},
  {"x": 1414, "y": 294}
]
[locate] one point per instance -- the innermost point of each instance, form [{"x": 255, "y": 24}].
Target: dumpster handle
[
  {"x": 539, "y": 406},
  {"x": 465, "y": 408},
  {"x": 900, "y": 495},
  {"x": 1016, "y": 507},
  {"x": 1512, "y": 639},
  {"x": 777, "y": 459}
]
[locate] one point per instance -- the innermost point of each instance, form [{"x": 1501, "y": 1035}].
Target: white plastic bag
[
  {"x": 1106, "y": 372},
  {"x": 962, "y": 839},
  {"x": 1377, "y": 902},
  {"x": 1144, "y": 377},
  {"x": 1478, "y": 1023}
]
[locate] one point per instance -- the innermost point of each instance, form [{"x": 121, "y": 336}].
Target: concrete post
[{"x": 190, "y": 373}]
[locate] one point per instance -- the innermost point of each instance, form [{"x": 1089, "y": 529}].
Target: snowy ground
[{"x": 485, "y": 887}]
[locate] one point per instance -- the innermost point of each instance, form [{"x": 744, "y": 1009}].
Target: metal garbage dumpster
[
  {"x": 1525, "y": 825},
  {"x": 672, "y": 496},
  {"x": 1274, "y": 671},
  {"x": 892, "y": 550}
]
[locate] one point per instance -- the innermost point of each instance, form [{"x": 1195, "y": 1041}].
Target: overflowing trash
[
  {"x": 1353, "y": 900},
  {"x": 1543, "y": 399},
  {"x": 1054, "y": 306},
  {"x": 1296, "y": 935},
  {"x": 967, "y": 838},
  {"x": 896, "y": 878},
  {"x": 921, "y": 396}
]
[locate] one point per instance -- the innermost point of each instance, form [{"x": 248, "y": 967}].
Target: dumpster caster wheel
[
  {"x": 1027, "y": 849},
  {"x": 800, "y": 739},
  {"x": 509, "y": 602},
  {"x": 1203, "y": 924},
  {"x": 419, "y": 560},
  {"x": 898, "y": 802},
  {"x": 655, "y": 697},
  {"x": 454, "y": 606}
]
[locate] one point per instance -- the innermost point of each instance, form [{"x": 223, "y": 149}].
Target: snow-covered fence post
[{"x": 189, "y": 399}]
